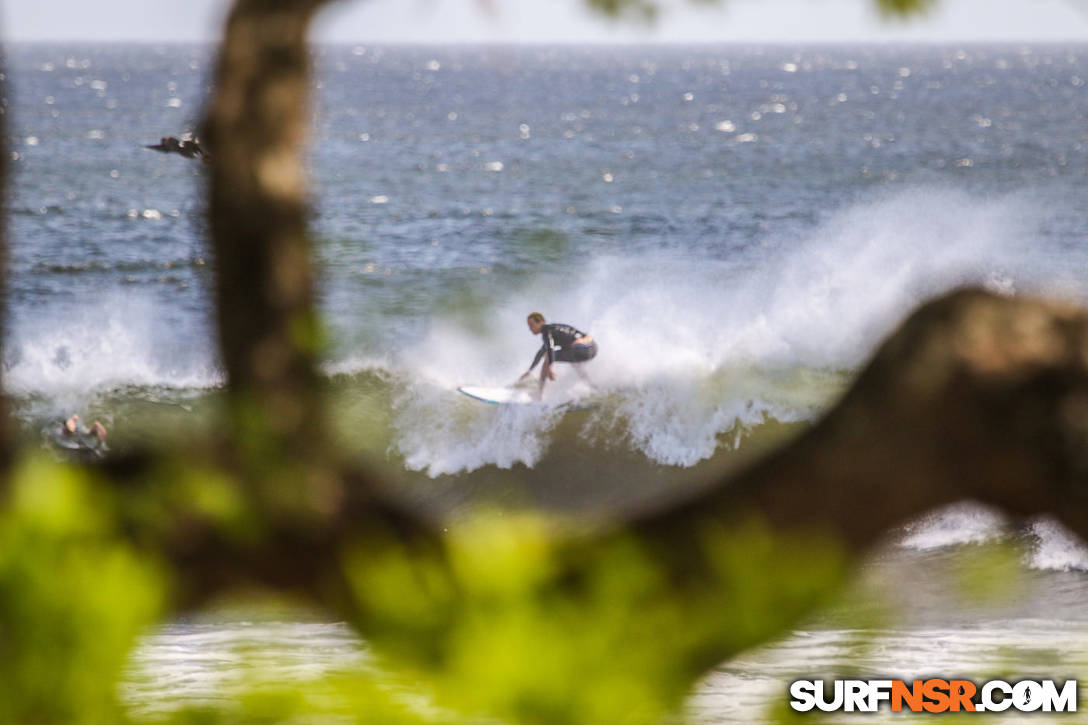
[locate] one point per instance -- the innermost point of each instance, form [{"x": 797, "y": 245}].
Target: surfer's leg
[
  {"x": 580, "y": 368},
  {"x": 578, "y": 356}
]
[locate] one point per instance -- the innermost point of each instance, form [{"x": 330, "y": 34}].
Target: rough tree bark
[{"x": 269, "y": 335}]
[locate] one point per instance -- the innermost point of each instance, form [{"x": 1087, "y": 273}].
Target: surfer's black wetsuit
[{"x": 563, "y": 336}]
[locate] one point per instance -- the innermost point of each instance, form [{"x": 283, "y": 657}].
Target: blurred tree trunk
[
  {"x": 269, "y": 333},
  {"x": 256, "y": 125}
]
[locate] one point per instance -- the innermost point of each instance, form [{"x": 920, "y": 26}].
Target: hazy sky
[{"x": 558, "y": 21}]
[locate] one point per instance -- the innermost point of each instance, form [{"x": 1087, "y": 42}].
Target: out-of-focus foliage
[
  {"x": 506, "y": 632},
  {"x": 497, "y": 630},
  {"x": 74, "y": 596}
]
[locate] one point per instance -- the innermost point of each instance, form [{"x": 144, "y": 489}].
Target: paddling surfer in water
[{"x": 562, "y": 343}]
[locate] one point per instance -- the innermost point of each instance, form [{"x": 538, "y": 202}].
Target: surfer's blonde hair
[{"x": 536, "y": 317}]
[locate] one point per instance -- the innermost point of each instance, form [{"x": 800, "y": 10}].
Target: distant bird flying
[{"x": 189, "y": 147}]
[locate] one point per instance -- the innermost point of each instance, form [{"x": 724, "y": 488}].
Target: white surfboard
[
  {"x": 520, "y": 396},
  {"x": 497, "y": 396}
]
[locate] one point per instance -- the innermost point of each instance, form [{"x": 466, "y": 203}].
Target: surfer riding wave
[{"x": 561, "y": 343}]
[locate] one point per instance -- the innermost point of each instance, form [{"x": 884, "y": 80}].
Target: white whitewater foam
[
  {"x": 443, "y": 433},
  {"x": 830, "y": 300},
  {"x": 1053, "y": 547},
  {"x": 963, "y": 523},
  {"x": 69, "y": 353},
  {"x": 187, "y": 665},
  {"x": 751, "y": 688},
  {"x": 674, "y": 331},
  {"x": 181, "y": 665},
  {"x": 1057, "y": 548}
]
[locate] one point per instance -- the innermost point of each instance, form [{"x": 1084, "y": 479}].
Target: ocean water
[{"x": 738, "y": 227}]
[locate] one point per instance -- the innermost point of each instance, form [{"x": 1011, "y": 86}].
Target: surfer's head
[{"x": 536, "y": 322}]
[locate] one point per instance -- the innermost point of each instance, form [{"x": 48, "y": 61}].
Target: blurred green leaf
[{"x": 73, "y": 598}]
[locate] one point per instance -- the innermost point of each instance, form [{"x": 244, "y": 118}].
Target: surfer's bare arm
[
  {"x": 536, "y": 359},
  {"x": 545, "y": 349}
]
